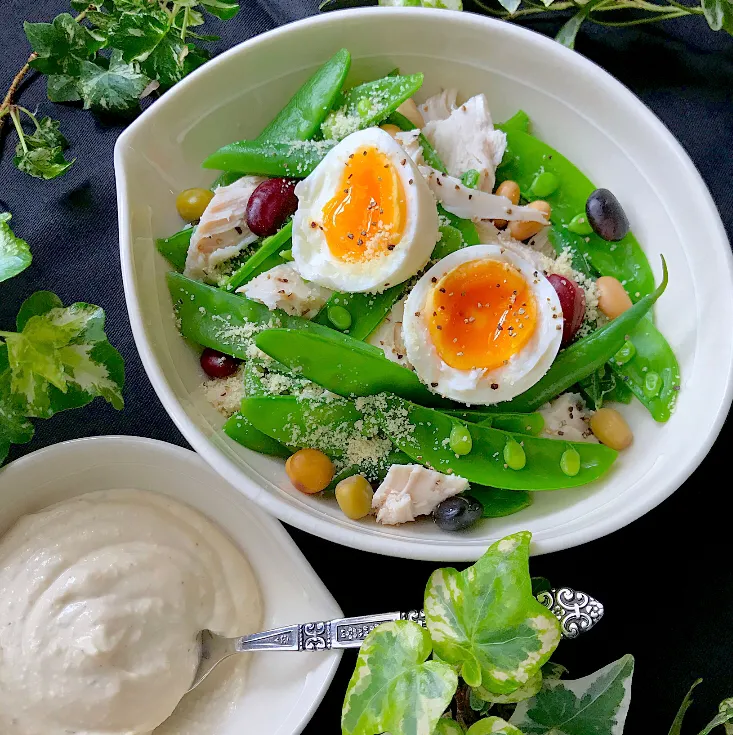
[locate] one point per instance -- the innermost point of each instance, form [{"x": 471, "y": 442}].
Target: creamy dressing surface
[{"x": 101, "y": 599}]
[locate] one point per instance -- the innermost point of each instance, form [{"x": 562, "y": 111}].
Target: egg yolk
[
  {"x": 366, "y": 217},
  {"x": 481, "y": 314}
]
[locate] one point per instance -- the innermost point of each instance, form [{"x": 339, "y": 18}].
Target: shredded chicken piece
[{"x": 439, "y": 106}]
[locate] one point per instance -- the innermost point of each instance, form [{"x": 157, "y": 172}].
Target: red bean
[
  {"x": 572, "y": 301},
  {"x": 218, "y": 365},
  {"x": 270, "y": 205}
]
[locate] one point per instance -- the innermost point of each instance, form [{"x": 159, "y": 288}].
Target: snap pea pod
[
  {"x": 468, "y": 230},
  {"x": 302, "y": 117},
  {"x": 585, "y": 356},
  {"x": 265, "y": 257},
  {"x": 343, "y": 365},
  {"x": 225, "y": 321},
  {"x": 518, "y": 423},
  {"x": 241, "y": 429},
  {"x": 519, "y": 121},
  {"x": 225, "y": 178},
  {"x": 369, "y": 104},
  {"x": 421, "y": 433},
  {"x": 295, "y": 158},
  {"x": 498, "y": 503},
  {"x": 526, "y": 156},
  {"x": 367, "y": 310},
  {"x": 653, "y": 373},
  {"x": 428, "y": 152},
  {"x": 175, "y": 248}
]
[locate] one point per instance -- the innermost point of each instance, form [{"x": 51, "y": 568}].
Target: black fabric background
[{"x": 666, "y": 580}]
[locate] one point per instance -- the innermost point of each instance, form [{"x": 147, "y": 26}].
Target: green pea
[
  {"x": 544, "y": 184},
  {"x": 286, "y": 255},
  {"x": 339, "y": 317},
  {"x": 570, "y": 462},
  {"x": 364, "y": 106},
  {"x": 471, "y": 178},
  {"x": 514, "y": 456},
  {"x": 652, "y": 385},
  {"x": 579, "y": 225},
  {"x": 460, "y": 440},
  {"x": 625, "y": 354}
]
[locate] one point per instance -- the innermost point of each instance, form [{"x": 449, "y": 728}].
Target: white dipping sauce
[{"x": 101, "y": 599}]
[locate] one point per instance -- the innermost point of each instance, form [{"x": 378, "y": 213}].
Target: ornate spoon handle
[{"x": 576, "y": 611}]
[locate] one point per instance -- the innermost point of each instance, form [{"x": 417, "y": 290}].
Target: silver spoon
[{"x": 576, "y": 611}]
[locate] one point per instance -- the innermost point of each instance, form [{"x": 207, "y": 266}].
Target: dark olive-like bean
[
  {"x": 218, "y": 365},
  {"x": 606, "y": 215},
  {"x": 270, "y": 205},
  {"x": 457, "y": 513},
  {"x": 572, "y": 301}
]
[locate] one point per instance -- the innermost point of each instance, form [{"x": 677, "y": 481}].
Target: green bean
[
  {"x": 498, "y": 503},
  {"x": 265, "y": 257},
  {"x": 517, "y": 423},
  {"x": 585, "y": 356},
  {"x": 429, "y": 155},
  {"x": 378, "y": 100},
  {"x": 243, "y": 432},
  {"x": 519, "y": 121},
  {"x": 296, "y": 158},
  {"x": 343, "y": 365},
  {"x": 524, "y": 159},
  {"x": 225, "y": 321},
  {"x": 421, "y": 433},
  {"x": 175, "y": 248},
  {"x": 302, "y": 117}
]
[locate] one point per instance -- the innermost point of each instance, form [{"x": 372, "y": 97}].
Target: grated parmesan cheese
[{"x": 226, "y": 394}]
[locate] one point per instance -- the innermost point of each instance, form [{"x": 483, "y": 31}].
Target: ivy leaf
[
  {"x": 62, "y": 88},
  {"x": 676, "y": 728},
  {"x": 719, "y": 14},
  {"x": 596, "y": 704},
  {"x": 447, "y": 726},
  {"x": 116, "y": 89},
  {"x": 486, "y": 621},
  {"x": 137, "y": 34},
  {"x": 493, "y": 726},
  {"x": 221, "y": 8},
  {"x": 510, "y": 5},
  {"x": 15, "y": 255},
  {"x": 394, "y": 687},
  {"x": 14, "y": 427},
  {"x": 724, "y": 716},
  {"x": 61, "y": 46},
  {"x": 172, "y": 59},
  {"x": 47, "y": 135},
  {"x": 532, "y": 686},
  {"x": 42, "y": 163},
  {"x": 566, "y": 35},
  {"x": 61, "y": 358}
]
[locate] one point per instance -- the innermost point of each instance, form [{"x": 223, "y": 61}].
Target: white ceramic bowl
[
  {"x": 283, "y": 689},
  {"x": 576, "y": 107}
]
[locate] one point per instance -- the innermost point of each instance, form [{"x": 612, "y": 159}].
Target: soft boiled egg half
[
  {"x": 366, "y": 219},
  {"x": 482, "y": 325}
]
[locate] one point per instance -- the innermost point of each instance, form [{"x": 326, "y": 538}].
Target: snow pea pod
[
  {"x": 653, "y": 373},
  {"x": 343, "y": 365},
  {"x": 369, "y": 104},
  {"x": 585, "y": 356},
  {"x": 175, "y": 248},
  {"x": 302, "y": 117},
  {"x": 243, "y": 431},
  {"x": 225, "y": 321},
  {"x": 468, "y": 230},
  {"x": 429, "y": 155},
  {"x": 295, "y": 158},
  {"x": 518, "y": 423},
  {"x": 519, "y": 121},
  {"x": 498, "y": 503},
  {"x": 265, "y": 257},
  {"x": 526, "y": 156},
  {"x": 421, "y": 433}
]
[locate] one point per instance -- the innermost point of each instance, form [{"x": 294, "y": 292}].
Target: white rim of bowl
[{"x": 322, "y": 527}]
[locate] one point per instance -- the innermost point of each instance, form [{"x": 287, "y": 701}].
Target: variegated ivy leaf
[
  {"x": 493, "y": 726},
  {"x": 15, "y": 255},
  {"x": 486, "y": 621},
  {"x": 447, "y": 726},
  {"x": 115, "y": 88},
  {"x": 61, "y": 358},
  {"x": 596, "y": 704},
  {"x": 676, "y": 728},
  {"x": 394, "y": 687},
  {"x": 14, "y": 427},
  {"x": 727, "y": 706},
  {"x": 524, "y": 692},
  {"x": 724, "y": 717}
]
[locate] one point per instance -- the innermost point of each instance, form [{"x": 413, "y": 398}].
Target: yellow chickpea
[
  {"x": 354, "y": 496},
  {"x": 611, "y": 429},
  {"x": 524, "y": 230},
  {"x": 391, "y": 129},
  {"x": 612, "y": 297},
  {"x": 510, "y": 190},
  {"x": 310, "y": 470},
  {"x": 409, "y": 109},
  {"x": 191, "y": 203}
]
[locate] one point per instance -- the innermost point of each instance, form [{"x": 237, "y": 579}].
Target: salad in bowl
[{"x": 423, "y": 312}]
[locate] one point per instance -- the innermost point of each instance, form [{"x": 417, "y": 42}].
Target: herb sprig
[{"x": 108, "y": 57}]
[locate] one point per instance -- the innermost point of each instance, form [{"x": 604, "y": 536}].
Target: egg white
[
  {"x": 473, "y": 387},
  {"x": 312, "y": 255}
]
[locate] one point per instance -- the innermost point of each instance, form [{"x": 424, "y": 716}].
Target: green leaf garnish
[
  {"x": 137, "y": 33},
  {"x": 486, "y": 621},
  {"x": 114, "y": 89},
  {"x": 61, "y": 46},
  {"x": 493, "y": 726},
  {"x": 15, "y": 255},
  {"x": 172, "y": 59},
  {"x": 14, "y": 427},
  {"x": 595, "y": 704},
  {"x": 394, "y": 687},
  {"x": 41, "y": 153}
]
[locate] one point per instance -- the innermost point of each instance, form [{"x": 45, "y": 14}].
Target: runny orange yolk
[
  {"x": 366, "y": 217},
  {"x": 481, "y": 314}
]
